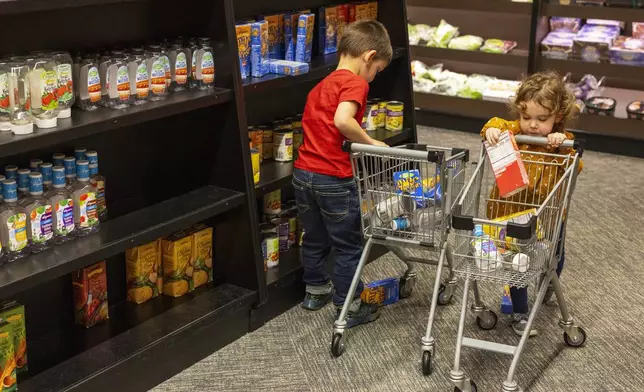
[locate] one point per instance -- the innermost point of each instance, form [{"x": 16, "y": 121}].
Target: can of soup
[
  {"x": 273, "y": 202},
  {"x": 283, "y": 227},
  {"x": 382, "y": 113},
  {"x": 256, "y": 137},
  {"x": 371, "y": 114},
  {"x": 267, "y": 142},
  {"x": 292, "y": 226},
  {"x": 394, "y": 119},
  {"x": 267, "y": 228},
  {"x": 270, "y": 250},
  {"x": 283, "y": 145},
  {"x": 254, "y": 158}
]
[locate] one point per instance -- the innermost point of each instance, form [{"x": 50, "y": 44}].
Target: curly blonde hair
[{"x": 548, "y": 90}]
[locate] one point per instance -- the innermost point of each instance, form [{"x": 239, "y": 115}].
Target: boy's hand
[
  {"x": 492, "y": 135},
  {"x": 555, "y": 139},
  {"x": 378, "y": 143}
]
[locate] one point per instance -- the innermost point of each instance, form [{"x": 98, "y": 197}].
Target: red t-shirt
[{"x": 322, "y": 149}]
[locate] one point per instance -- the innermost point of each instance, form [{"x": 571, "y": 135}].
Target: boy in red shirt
[{"x": 325, "y": 190}]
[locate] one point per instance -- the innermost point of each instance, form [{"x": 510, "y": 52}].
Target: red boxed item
[{"x": 509, "y": 171}]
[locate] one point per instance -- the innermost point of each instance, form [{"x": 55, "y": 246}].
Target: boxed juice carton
[
  {"x": 381, "y": 292},
  {"x": 14, "y": 314},
  {"x": 243, "y": 48},
  {"x": 328, "y": 30},
  {"x": 342, "y": 19},
  {"x": 275, "y": 36},
  {"x": 259, "y": 49},
  {"x": 177, "y": 268},
  {"x": 509, "y": 171},
  {"x": 304, "y": 43},
  {"x": 201, "y": 254},
  {"x": 285, "y": 67},
  {"x": 90, "y": 294},
  {"x": 143, "y": 272},
  {"x": 7, "y": 358}
]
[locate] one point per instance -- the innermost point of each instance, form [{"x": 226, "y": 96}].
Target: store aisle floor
[{"x": 603, "y": 282}]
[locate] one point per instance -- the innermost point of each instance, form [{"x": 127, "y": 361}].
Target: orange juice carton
[
  {"x": 177, "y": 268},
  {"x": 243, "y": 48},
  {"x": 328, "y": 30},
  {"x": 90, "y": 294},
  {"x": 275, "y": 36},
  {"x": 201, "y": 254},
  {"x": 7, "y": 358},
  {"x": 143, "y": 272},
  {"x": 509, "y": 171},
  {"x": 14, "y": 314}
]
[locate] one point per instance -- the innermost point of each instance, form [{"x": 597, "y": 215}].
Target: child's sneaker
[
  {"x": 520, "y": 322},
  {"x": 317, "y": 296},
  {"x": 361, "y": 314}
]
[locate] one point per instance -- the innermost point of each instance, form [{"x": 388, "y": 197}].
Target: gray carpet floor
[{"x": 602, "y": 281}]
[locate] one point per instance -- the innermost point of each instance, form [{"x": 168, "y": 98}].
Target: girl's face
[{"x": 536, "y": 120}]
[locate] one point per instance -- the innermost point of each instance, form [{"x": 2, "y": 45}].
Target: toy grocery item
[
  {"x": 39, "y": 215},
  {"x": 7, "y": 358},
  {"x": 43, "y": 83},
  {"x": 243, "y": 48},
  {"x": 63, "y": 207},
  {"x": 498, "y": 46},
  {"x": 488, "y": 257},
  {"x": 394, "y": 116},
  {"x": 328, "y": 30},
  {"x": 275, "y": 36},
  {"x": 90, "y": 295},
  {"x": 466, "y": 42},
  {"x": 13, "y": 224},
  {"x": 259, "y": 49},
  {"x": 603, "y": 106},
  {"x": 143, "y": 272},
  {"x": 177, "y": 270},
  {"x": 381, "y": 292},
  {"x": 286, "y": 67},
  {"x": 509, "y": 171},
  {"x": 304, "y": 39},
  {"x": 14, "y": 314},
  {"x": 201, "y": 260},
  {"x": 205, "y": 65},
  {"x": 65, "y": 83},
  {"x": 21, "y": 119},
  {"x": 180, "y": 69},
  {"x": 442, "y": 35},
  {"x": 635, "y": 110},
  {"x": 89, "y": 84},
  {"x": 627, "y": 51},
  {"x": 84, "y": 196}
]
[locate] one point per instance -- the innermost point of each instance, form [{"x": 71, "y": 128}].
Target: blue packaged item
[
  {"x": 304, "y": 39},
  {"x": 408, "y": 182},
  {"x": 275, "y": 36},
  {"x": 381, "y": 292},
  {"x": 259, "y": 49},
  {"x": 328, "y": 30},
  {"x": 289, "y": 42},
  {"x": 285, "y": 67},
  {"x": 506, "y": 301}
]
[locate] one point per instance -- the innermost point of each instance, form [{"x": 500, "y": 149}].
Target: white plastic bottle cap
[
  {"x": 5, "y": 126},
  {"x": 520, "y": 262},
  {"x": 22, "y": 129},
  {"x": 65, "y": 113},
  {"x": 46, "y": 122}
]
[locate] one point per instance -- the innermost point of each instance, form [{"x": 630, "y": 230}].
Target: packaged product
[
  {"x": 638, "y": 30},
  {"x": 505, "y": 159},
  {"x": 466, "y": 42},
  {"x": 561, "y": 23},
  {"x": 342, "y": 11},
  {"x": 90, "y": 294},
  {"x": 408, "y": 182},
  {"x": 443, "y": 34},
  {"x": 498, "y": 46},
  {"x": 201, "y": 254},
  {"x": 635, "y": 110},
  {"x": 14, "y": 314},
  {"x": 259, "y": 49},
  {"x": 448, "y": 86},
  {"x": 423, "y": 85},
  {"x": 143, "y": 272},
  {"x": 421, "y": 71},
  {"x": 328, "y": 30},
  {"x": 7, "y": 358},
  {"x": 243, "y": 48},
  {"x": 362, "y": 12},
  {"x": 285, "y": 67},
  {"x": 381, "y": 292},
  {"x": 557, "y": 45},
  {"x": 275, "y": 36},
  {"x": 304, "y": 41},
  {"x": 605, "y": 22},
  {"x": 290, "y": 34},
  {"x": 475, "y": 86},
  {"x": 499, "y": 233},
  {"x": 177, "y": 268},
  {"x": 501, "y": 90},
  {"x": 627, "y": 51},
  {"x": 373, "y": 10},
  {"x": 603, "y": 106}
]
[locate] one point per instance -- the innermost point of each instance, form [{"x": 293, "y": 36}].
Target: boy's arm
[
  {"x": 346, "y": 123},
  {"x": 501, "y": 124}
]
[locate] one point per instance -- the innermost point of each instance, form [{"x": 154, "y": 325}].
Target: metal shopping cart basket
[
  {"x": 517, "y": 248},
  {"x": 407, "y": 194}
]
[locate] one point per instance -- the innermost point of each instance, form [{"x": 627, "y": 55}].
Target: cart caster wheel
[
  {"x": 428, "y": 366},
  {"x": 577, "y": 341},
  {"x": 444, "y": 298},
  {"x": 406, "y": 286},
  {"x": 337, "y": 345},
  {"x": 473, "y": 387},
  {"x": 488, "y": 321}
]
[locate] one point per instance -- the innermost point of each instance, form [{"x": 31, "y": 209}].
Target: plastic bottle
[
  {"x": 69, "y": 163},
  {"x": 65, "y": 83},
  {"x": 90, "y": 84},
  {"x": 38, "y": 212},
  {"x": 34, "y": 164},
  {"x": 13, "y": 224},
  {"x": 43, "y": 83},
  {"x": 5, "y": 100},
  {"x": 58, "y": 159},
  {"x": 98, "y": 182},
  {"x": 179, "y": 66},
  {"x": 192, "y": 48},
  {"x": 11, "y": 172},
  {"x": 84, "y": 198},
  {"x": 103, "y": 63},
  {"x": 80, "y": 153},
  {"x": 23, "y": 181},
  {"x": 22, "y": 121},
  {"x": 139, "y": 77},
  {"x": 166, "y": 64},
  {"x": 205, "y": 62},
  {"x": 118, "y": 81},
  {"x": 47, "y": 174},
  {"x": 63, "y": 208},
  {"x": 2, "y": 178},
  {"x": 156, "y": 68},
  {"x": 484, "y": 250}
]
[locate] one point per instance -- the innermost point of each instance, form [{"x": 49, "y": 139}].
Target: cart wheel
[
  {"x": 578, "y": 341},
  {"x": 406, "y": 286},
  {"x": 337, "y": 345},
  {"x": 427, "y": 363},
  {"x": 444, "y": 298},
  {"x": 488, "y": 321},
  {"x": 473, "y": 387}
]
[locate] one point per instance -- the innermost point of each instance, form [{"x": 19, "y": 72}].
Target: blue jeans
[
  {"x": 519, "y": 296},
  {"x": 329, "y": 209}
]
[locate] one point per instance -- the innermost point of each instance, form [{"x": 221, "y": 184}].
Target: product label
[
  {"x": 181, "y": 69},
  {"x": 41, "y": 224},
  {"x": 64, "y": 217},
  {"x": 157, "y": 76},
  {"x": 100, "y": 196},
  {"x": 17, "y": 225},
  {"x": 142, "y": 81},
  {"x": 166, "y": 68},
  {"x": 123, "y": 83},
  {"x": 4, "y": 93},
  {"x": 65, "y": 91},
  {"x": 207, "y": 68},
  {"x": 88, "y": 213},
  {"x": 48, "y": 84},
  {"x": 94, "y": 84}
]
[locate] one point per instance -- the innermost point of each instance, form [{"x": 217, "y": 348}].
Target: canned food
[
  {"x": 283, "y": 145},
  {"x": 273, "y": 202},
  {"x": 394, "y": 119},
  {"x": 298, "y": 140},
  {"x": 254, "y": 158},
  {"x": 268, "y": 218},
  {"x": 282, "y": 125},
  {"x": 371, "y": 114},
  {"x": 292, "y": 226},
  {"x": 267, "y": 228},
  {"x": 297, "y": 122},
  {"x": 271, "y": 250},
  {"x": 283, "y": 227},
  {"x": 256, "y": 137},
  {"x": 382, "y": 114},
  {"x": 267, "y": 142}
]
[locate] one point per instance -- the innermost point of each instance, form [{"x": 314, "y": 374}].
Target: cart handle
[
  {"x": 577, "y": 144},
  {"x": 409, "y": 150}
]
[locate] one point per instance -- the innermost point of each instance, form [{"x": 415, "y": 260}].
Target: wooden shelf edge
[
  {"x": 517, "y": 58},
  {"x": 499, "y": 6},
  {"x": 593, "y": 12}
]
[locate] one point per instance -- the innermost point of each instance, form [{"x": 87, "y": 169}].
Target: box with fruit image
[
  {"x": 201, "y": 260},
  {"x": 143, "y": 272},
  {"x": 7, "y": 358},
  {"x": 177, "y": 270},
  {"x": 90, "y": 295},
  {"x": 14, "y": 314}
]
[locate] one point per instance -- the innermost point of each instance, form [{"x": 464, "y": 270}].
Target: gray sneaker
[
  {"x": 520, "y": 322},
  {"x": 364, "y": 314}
]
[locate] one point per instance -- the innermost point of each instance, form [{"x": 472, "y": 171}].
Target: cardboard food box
[
  {"x": 201, "y": 260},
  {"x": 304, "y": 42},
  {"x": 381, "y": 292},
  {"x": 509, "y": 171},
  {"x": 373, "y": 10},
  {"x": 177, "y": 268},
  {"x": 342, "y": 12},
  {"x": 259, "y": 49},
  {"x": 290, "y": 33},
  {"x": 362, "y": 11},
  {"x": 328, "y": 30},
  {"x": 284, "y": 67},
  {"x": 275, "y": 36},
  {"x": 14, "y": 314},
  {"x": 143, "y": 272},
  {"x": 243, "y": 48},
  {"x": 90, "y": 294},
  {"x": 7, "y": 358}
]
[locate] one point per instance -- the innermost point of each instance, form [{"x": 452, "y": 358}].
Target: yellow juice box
[
  {"x": 201, "y": 254},
  {"x": 7, "y": 358},
  {"x": 499, "y": 233},
  {"x": 177, "y": 270},
  {"x": 143, "y": 272},
  {"x": 14, "y": 314}
]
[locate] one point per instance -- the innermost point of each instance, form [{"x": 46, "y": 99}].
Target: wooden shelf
[
  {"x": 593, "y": 12},
  {"x": 516, "y": 58},
  {"x": 457, "y": 106},
  {"x": 8, "y": 7},
  {"x": 289, "y": 264},
  {"x": 499, "y": 6}
]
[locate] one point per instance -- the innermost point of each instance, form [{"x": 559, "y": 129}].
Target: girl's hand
[
  {"x": 492, "y": 135},
  {"x": 555, "y": 139}
]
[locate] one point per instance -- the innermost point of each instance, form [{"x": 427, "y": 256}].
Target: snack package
[
  {"x": 342, "y": 19},
  {"x": 420, "y": 70},
  {"x": 259, "y": 49},
  {"x": 563, "y": 24},
  {"x": 592, "y": 48},
  {"x": 505, "y": 159},
  {"x": 638, "y": 30},
  {"x": 475, "y": 86},
  {"x": 557, "y": 45},
  {"x": 275, "y": 36},
  {"x": 201, "y": 254},
  {"x": 499, "y": 234},
  {"x": 466, "y": 42},
  {"x": 627, "y": 51},
  {"x": 304, "y": 42},
  {"x": 501, "y": 90},
  {"x": 243, "y": 49},
  {"x": 290, "y": 34},
  {"x": 143, "y": 272},
  {"x": 443, "y": 34},
  {"x": 285, "y": 67},
  {"x": 90, "y": 295},
  {"x": 328, "y": 30},
  {"x": 498, "y": 46},
  {"x": 362, "y": 12},
  {"x": 177, "y": 268},
  {"x": 381, "y": 292},
  {"x": 7, "y": 358},
  {"x": 605, "y": 22},
  {"x": 14, "y": 314},
  {"x": 408, "y": 182}
]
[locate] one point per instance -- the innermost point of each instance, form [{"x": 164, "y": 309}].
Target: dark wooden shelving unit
[{"x": 515, "y": 58}]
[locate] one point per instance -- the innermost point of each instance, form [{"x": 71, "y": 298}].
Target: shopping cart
[
  {"x": 407, "y": 194},
  {"x": 524, "y": 248}
]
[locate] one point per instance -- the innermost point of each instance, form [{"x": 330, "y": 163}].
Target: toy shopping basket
[
  {"x": 517, "y": 248},
  {"x": 407, "y": 195}
]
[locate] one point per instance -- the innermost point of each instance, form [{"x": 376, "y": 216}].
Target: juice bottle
[
  {"x": 13, "y": 224},
  {"x": 139, "y": 77},
  {"x": 23, "y": 181},
  {"x": 69, "y": 163},
  {"x": 98, "y": 182},
  {"x": 179, "y": 66},
  {"x": 21, "y": 119},
  {"x": 89, "y": 84},
  {"x": 38, "y": 212},
  {"x": 118, "y": 81},
  {"x": 192, "y": 48},
  {"x": 65, "y": 83},
  {"x": 84, "y": 199},
  {"x": 63, "y": 208},
  {"x": 11, "y": 172},
  {"x": 205, "y": 62},
  {"x": 58, "y": 159},
  {"x": 5, "y": 107},
  {"x": 156, "y": 68},
  {"x": 34, "y": 164},
  {"x": 43, "y": 83},
  {"x": 47, "y": 174}
]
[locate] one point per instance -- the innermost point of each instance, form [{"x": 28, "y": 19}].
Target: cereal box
[
  {"x": 275, "y": 36},
  {"x": 508, "y": 168},
  {"x": 305, "y": 26},
  {"x": 177, "y": 268},
  {"x": 201, "y": 254},
  {"x": 381, "y": 292},
  {"x": 243, "y": 49},
  {"x": 259, "y": 49},
  {"x": 342, "y": 19},
  {"x": 352, "y": 13},
  {"x": 90, "y": 294},
  {"x": 290, "y": 33},
  {"x": 285, "y": 67},
  {"x": 7, "y": 358},
  {"x": 328, "y": 30},
  {"x": 373, "y": 10},
  {"x": 143, "y": 272},
  {"x": 14, "y": 314},
  {"x": 362, "y": 11}
]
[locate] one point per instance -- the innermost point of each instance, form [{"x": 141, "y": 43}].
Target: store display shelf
[
  {"x": 319, "y": 67},
  {"x": 21, "y": 6},
  {"x": 83, "y": 123},
  {"x": 593, "y": 12},
  {"x": 516, "y": 58},
  {"x": 289, "y": 264},
  {"x": 183, "y": 330},
  {"x": 500, "y": 6},
  {"x": 580, "y": 68},
  {"x": 275, "y": 175},
  {"x": 475, "y": 108},
  {"x": 116, "y": 236}
]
